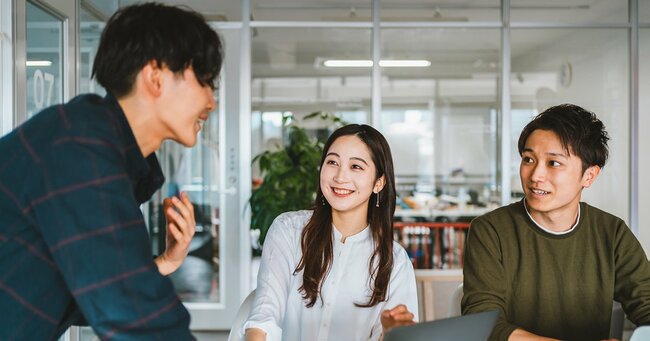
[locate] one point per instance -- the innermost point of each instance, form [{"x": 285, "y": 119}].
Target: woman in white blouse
[{"x": 334, "y": 272}]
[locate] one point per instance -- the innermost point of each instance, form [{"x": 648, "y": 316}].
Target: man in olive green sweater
[{"x": 551, "y": 264}]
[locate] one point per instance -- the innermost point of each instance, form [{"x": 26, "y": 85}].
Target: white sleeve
[
  {"x": 402, "y": 288},
  {"x": 274, "y": 279}
]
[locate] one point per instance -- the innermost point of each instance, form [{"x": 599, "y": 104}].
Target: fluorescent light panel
[
  {"x": 347, "y": 63},
  {"x": 382, "y": 63},
  {"x": 38, "y": 63},
  {"x": 404, "y": 63}
]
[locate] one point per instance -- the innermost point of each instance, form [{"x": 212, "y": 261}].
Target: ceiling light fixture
[
  {"x": 347, "y": 63},
  {"x": 405, "y": 63},
  {"x": 382, "y": 63},
  {"x": 38, "y": 63}
]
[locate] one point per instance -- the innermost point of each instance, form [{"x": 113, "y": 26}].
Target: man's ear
[
  {"x": 379, "y": 184},
  {"x": 590, "y": 176},
  {"x": 151, "y": 78}
]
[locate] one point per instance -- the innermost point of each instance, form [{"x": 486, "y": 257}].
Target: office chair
[
  {"x": 641, "y": 334},
  {"x": 454, "y": 302},
  {"x": 240, "y": 318}
]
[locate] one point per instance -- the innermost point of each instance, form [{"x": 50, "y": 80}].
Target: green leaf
[{"x": 290, "y": 174}]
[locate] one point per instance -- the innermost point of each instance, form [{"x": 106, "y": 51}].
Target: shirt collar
[
  {"x": 145, "y": 173},
  {"x": 550, "y": 231},
  {"x": 358, "y": 237}
]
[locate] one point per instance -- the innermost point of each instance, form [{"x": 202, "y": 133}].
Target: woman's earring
[
  {"x": 322, "y": 200},
  {"x": 377, "y": 205}
]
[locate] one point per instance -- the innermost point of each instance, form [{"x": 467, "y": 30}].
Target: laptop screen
[{"x": 472, "y": 327}]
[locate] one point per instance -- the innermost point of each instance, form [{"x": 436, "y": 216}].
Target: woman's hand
[
  {"x": 255, "y": 334},
  {"x": 179, "y": 214},
  {"x": 396, "y": 317}
]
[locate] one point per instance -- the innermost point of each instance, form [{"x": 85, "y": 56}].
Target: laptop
[{"x": 472, "y": 327}]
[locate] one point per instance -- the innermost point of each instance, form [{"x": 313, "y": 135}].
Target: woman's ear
[{"x": 379, "y": 184}]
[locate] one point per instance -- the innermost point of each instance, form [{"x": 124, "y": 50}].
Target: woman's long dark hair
[{"x": 316, "y": 240}]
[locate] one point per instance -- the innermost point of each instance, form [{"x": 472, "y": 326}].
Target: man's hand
[
  {"x": 179, "y": 214},
  {"x": 522, "y": 335},
  {"x": 396, "y": 317}
]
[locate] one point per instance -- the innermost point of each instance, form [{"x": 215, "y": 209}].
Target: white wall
[
  {"x": 644, "y": 139},
  {"x": 599, "y": 82}
]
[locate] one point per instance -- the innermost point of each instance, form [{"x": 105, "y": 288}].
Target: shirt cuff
[{"x": 273, "y": 332}]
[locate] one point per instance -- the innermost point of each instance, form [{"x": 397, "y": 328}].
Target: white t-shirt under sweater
[{"x": 279, "y": 309}]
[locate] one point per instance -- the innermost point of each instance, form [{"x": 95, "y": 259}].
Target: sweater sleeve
[
  {"x": 485, "y": 285},
  {"x": 632, "y": 286}
]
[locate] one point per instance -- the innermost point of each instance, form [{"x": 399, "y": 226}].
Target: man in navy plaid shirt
[{"x": 73, "y": 243}]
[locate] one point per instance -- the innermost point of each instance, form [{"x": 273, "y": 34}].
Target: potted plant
[{"x": 290, "y": 174}]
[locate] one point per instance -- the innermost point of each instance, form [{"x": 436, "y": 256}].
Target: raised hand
[{"x": 181, "y": 224}]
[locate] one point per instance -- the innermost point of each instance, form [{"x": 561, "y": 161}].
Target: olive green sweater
[{"x": 554, "y": 286}]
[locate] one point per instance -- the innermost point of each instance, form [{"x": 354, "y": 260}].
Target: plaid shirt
[{"x": 73, "y": 241}]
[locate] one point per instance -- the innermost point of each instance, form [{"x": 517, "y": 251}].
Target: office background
[{"x": 465, "y": 77}]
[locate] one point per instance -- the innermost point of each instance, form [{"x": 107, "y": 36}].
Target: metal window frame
[
  {"x": 504, "y": 172},
  {"x": 7, "y": 40},
  {"x": 68, "y": 13}
]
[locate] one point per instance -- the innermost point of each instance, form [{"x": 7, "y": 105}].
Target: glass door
[
  {"x": 44, "y": 55},
  {"x": 49, "y": 50},
  {"x": 44, "y": 63},
  {"x": 215, "y": 276},
  {"x": 6, "y": 67}
]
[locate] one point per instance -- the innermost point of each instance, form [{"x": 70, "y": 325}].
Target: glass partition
[
  {"x": 311, "y": 10},
  {"x": 441, "y": 11},
  {"x": 441, "y": 119},
  {"x": 570, "y": 11},
  {"x": 195, "y": 171},
  {"x": 90, "y": 29},
  {"x": 44, "y": 41},
  {"x": 644, "y": 138},
  {"x": 440, "y": 102},
  {"x": 644, "y": 12},
  {"x": 201, "y": 278},
  {"x": 215, "y": 11},
  {"x": 192, "y": 170},
  {"x": 292, "y": 75}
]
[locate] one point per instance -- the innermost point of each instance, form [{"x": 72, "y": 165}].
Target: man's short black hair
[
  {"x": 580, "y": 132},
  {"x": 174, "y": 37}
]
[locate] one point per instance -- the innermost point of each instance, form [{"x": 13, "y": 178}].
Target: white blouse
[{"x": 279, "y": 310}]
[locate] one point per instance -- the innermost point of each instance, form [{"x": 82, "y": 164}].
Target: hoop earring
[{"x": 377, "y": 205}]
